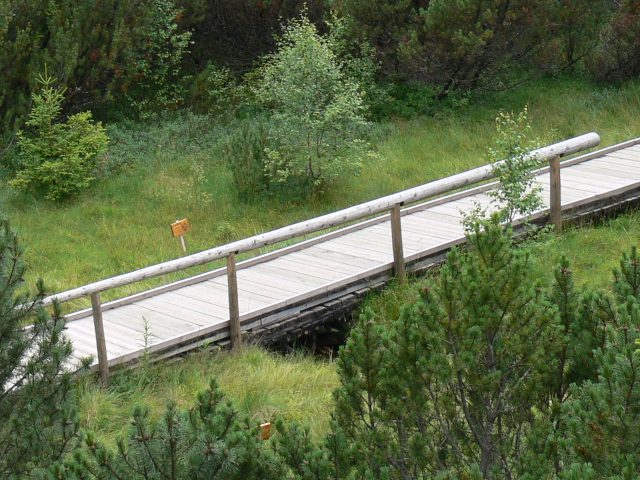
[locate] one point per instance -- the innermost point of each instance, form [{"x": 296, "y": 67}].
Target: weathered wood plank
[
  {"x": 327, "y": 262},
  {"x": 586, "y": 181},
  {"x": 290, "y": 275},
  {"x": 628, "y": 154},
  {"x": 617, "y": 163},
  {"x": 350, "y": 249},
  {"x": 601, "y": 173},
  {"x": 162, "y": 321},
  {"x": 358, "y": 262},
  {"x": 117, "y": 335}
]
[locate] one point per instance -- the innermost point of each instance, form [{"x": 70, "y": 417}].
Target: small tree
[
  {"x": 452, "y": 388},
  {"x": 318, "y": 111},
  {"x": 518, "y": 193},
  {"x": 59, "y": 159},
  {"x": 37, "y": 420},
  {"x": 603, "y": 416}
]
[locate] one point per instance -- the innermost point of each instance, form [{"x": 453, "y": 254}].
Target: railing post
[
  {"x": 234, "y": 310},
  {"x": 103, "y": 361},
  {"x": 396, "y": 240},
  {"x": 555, "y": 207}
]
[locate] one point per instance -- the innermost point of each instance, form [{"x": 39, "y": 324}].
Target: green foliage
[
  {"x": 517, "y": 194},
  {"x": 214, "y": 90},
  {"x": 37, "y": 419},
  {"x": 453, "y": 45},
  {"x": 209, "y": 441},
  {"x": 103, "y": 51},
  {"x": 617, "y": 57},
  {"x": 155, "y": 84},
  {"x": 236, "y": 33},
  {"x": 316, "y": 127},
  {"x": 451, "y": 388},
  {"x": 602, "y": 417},
  {"x": 58, "y": 159}
]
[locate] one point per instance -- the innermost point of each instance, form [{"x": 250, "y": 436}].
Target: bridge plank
[{"x": 618, "y": 164}]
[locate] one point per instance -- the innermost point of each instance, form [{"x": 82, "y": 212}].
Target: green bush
[
  {"x": 57, "y": 160},
  {"x": 246, "y": 158},
  {"x": 315, "y": 130}
]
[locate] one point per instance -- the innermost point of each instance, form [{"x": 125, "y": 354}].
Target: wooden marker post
[
  {"x": 555, "y": 207},
  {"x": 265, "y": 431},
  {"x": 179, "y": 228}
]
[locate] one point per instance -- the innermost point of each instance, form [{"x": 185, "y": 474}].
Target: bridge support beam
[
  {"x": 103, "y": 361},
  {"x": 399, "y": 268},
  {"x": 234, "y": 310},
  {"x": 555, "y": 204}
]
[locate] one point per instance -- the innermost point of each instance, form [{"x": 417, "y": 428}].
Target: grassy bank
[{"x": 264, "y": 385}]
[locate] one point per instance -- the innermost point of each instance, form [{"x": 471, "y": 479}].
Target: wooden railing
[{"x": 389, "y": 203}]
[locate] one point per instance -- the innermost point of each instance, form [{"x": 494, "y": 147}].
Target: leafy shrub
[
  {"x": 103, "y": 51},
  {"x": 517, "y": 193},
  {"x": 155, "y": 83},
  {"x": 618, "y": 55},
  {"x": 214, "y": 90},
  {"x": 318, "y": 118},
  {"x": 58, "y": 160}
]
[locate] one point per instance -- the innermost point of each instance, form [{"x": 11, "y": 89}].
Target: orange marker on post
[
  {"x": 265, "y": 431},
  {"x": 179, "y": 228}
]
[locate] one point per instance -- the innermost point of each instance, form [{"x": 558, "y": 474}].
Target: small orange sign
[
  {"x": 180, "y": 227},
  {"x": 265, "y": 431}
]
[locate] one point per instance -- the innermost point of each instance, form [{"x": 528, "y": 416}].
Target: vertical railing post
[
  {"x": 396, "y": 240},
  {"x": 234, "y": 310},
  {"x": 555, "y": 207},
  {"x": 103, "y": 361}
]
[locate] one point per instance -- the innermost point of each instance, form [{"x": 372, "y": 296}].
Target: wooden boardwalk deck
[{"x": 279, "y": 285}]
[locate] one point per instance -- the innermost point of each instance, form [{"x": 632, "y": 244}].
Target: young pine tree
[
  {"x": 603, "y": 417},
  {"x": 208, "y": 442},
  {"x": 452, "y": 388},
  {"x": 37, "y": 419}
]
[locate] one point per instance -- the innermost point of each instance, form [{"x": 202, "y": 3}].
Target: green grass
[{"x": 263, "y": 385}]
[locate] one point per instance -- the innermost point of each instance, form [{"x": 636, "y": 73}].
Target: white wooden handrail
[{"x": 335, "y": 219}]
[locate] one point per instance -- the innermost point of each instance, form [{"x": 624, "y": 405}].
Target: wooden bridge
[{"x": 293, "y": 287}]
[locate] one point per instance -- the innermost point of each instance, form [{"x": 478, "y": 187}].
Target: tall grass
[{"x": 263, "y": 385}]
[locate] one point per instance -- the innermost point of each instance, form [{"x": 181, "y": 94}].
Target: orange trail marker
[
  {"x": 265, "y": 431},
  {"x": 179, "y": 228}
]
